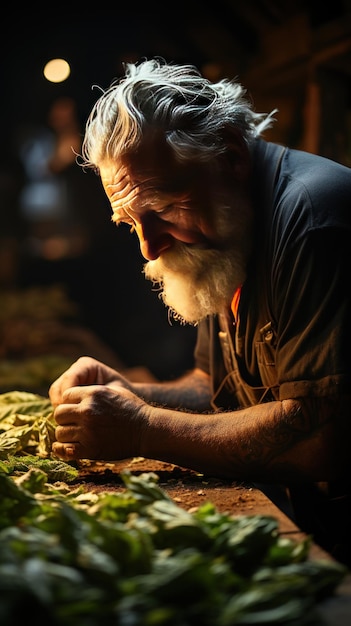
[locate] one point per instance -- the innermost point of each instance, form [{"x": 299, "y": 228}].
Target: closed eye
[
  {"x": 173, "y": 212},
  {"x": 121, "y": 217}
]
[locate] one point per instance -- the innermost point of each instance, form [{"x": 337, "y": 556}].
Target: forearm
[
  {"x": 272, "y": 442},
  {"x": 191, "y": 392}
]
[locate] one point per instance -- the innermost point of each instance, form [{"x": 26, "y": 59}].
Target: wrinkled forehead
[
  {"x": 125, "y": 192},
  {"x": 149, "y": 170},
  {"x": 152, "y": 174}
]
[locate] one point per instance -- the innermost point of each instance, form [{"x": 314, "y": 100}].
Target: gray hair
[{"x": 191, "y": 111}]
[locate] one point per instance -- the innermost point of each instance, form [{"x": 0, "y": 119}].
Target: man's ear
[{"x": 237, "y": 154}]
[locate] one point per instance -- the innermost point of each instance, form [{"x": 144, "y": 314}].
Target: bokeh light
[{"x": 57, "y": 70}]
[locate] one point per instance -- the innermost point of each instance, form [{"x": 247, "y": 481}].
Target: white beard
[{"x": 195, "y": 282}]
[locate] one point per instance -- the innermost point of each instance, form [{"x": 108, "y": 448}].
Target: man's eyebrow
[{"x": 147, "y": 190}]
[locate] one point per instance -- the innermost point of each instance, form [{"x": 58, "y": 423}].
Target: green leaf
[
  {"x": 135, "y": 557},
  {"x": 25, "y": 403}
]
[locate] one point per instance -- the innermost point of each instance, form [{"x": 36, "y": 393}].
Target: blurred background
[{"x": 70, "y": 281}]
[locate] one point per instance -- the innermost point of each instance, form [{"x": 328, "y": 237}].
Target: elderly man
[{"x": 250, "y": 242}]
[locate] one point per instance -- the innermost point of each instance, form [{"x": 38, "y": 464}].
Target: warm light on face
[{"x": 57, "y": 70}]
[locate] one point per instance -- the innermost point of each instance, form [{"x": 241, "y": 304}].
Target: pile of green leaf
[
  {"x": 68, "y": 557},
  {"x": 27, "y": 431},
  {"x": 26, "y": 424}
]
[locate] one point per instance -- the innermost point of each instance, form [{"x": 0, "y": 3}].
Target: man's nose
[{"x": 154, "y": 237}]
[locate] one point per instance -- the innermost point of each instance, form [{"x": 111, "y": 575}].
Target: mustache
[{"x": 182, "y": 257}]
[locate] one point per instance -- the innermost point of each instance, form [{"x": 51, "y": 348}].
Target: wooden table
[{"x": 190, "y": 490}]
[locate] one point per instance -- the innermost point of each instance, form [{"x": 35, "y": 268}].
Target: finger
[
  {"x": 76, "y": 394},
  {"x": 67, "y": 434},
  {"x": 73, "y": 394},
  {"x": 55, "y": 393},
  {"x": 58, "y": 388},
  {"x": 67, "y": 451},
  {"x": 67, "y": 414}
]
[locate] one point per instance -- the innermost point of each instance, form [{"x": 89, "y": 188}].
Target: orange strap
[{"x": 235, "y": 303}]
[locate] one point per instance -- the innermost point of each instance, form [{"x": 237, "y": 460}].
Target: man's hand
[
  {"x": 85, "y": 371},
  {"x": 98, "y": 422}
]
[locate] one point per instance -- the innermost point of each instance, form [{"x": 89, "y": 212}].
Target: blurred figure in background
[{"x": 48, "y": 199}]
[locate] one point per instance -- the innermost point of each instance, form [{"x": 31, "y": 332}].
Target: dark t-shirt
[
  {"x": 293, "y": 334},
  {"x": 292, "y": 337}
]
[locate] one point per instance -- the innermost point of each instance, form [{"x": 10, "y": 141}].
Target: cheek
[{"x": 188, "y": 236}]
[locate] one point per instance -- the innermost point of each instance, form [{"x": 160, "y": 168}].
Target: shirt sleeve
[{"x": 312, "y": 303}]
